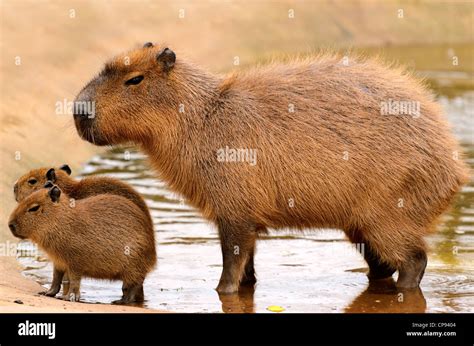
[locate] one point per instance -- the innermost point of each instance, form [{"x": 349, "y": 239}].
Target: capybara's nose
[
  {"x": 81, "y": 112},
  {"x": 12, "y": 226},
  {"x": 15, "y": 188},
  {"x": 84, "y": 105}
]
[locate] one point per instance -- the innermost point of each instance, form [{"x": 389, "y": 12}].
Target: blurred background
[{"x": 50, "y": 49}]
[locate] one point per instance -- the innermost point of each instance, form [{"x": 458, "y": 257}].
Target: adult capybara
[
  {"x": 76, "y": 189},
  {"x": 320, "y": 141},
  {"x": 105, "y": 236}
]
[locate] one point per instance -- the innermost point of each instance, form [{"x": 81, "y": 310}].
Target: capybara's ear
[
  {"x": 51, "y": 175},
  {"x": 48, "y": 184},
  {"x": 54, "y": 193},
  {"x": 66, "y": 169},
  {"x": 167, "y": 58},
  {"x": 148, "y": 45}
]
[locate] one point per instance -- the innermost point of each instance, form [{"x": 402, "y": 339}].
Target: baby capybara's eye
[
  {"x": 32, "y": 181},
  {"x": 134, "y": 81},
  {"x": 35, "y": 208}
]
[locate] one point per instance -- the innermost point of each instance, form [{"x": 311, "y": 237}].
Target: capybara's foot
[
  {"x": 131, "y": 294},
  {"x": 50, "y": 293},
  {"x": 120, "y": 301},
  {"x": 411, "y": 272},
  {"x": 71, "y": 296},
  {"x": 227, "y": 287}
]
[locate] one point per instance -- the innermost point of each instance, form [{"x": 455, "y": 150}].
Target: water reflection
[
  {"x": 241, "y": 302},
  {"x": 383, "y": 296},
  {"x": 379, "y": 297}
]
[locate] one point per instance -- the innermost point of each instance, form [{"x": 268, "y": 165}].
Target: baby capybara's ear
[
  {"x": 55, "y": 193},
  {"x": 66, "y": 169},
  {"x": 51, "y": 175},
  {"x": 167, "y": 58},
  {"x": 148, "y": 45},
  {"x": 48, "y": 184}
]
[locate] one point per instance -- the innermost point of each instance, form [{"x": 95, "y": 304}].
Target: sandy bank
[{"x": 18, "y": 294}]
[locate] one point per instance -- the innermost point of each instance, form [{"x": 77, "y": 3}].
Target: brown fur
[
  {"x": 105, "y": 237},
  {"x": 300, "y": 153},
  {"x": 86, "y": 187}
]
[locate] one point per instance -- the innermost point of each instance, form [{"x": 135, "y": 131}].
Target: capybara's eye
[
  {"x": 32, "y": 181},
  {"x": 35, "y": 208},
  {"x": 134, "y": 81}
]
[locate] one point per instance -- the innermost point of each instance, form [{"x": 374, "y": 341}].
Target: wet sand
[{"x": 19, "y": 295}]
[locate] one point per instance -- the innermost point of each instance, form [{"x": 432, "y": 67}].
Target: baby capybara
[
  {"x": 343, "y": 143},
  {"x": 105, "y": 237},
  {"x": 76, "y": 189}
]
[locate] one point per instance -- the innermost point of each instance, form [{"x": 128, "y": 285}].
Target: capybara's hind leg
[
  {"x": 237, "y": 244},
  {"x": 411, "y": 271},
  {"x": 401, "y": 246},
  {"x": 378, "y": 269},
  {"x": 56, "y": 284},
  {"x": 131, "y": 293}
]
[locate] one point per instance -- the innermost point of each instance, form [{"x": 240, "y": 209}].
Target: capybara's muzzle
[
  {"x": 85, "y": 121},
  {"x": 14, "y": 229}
]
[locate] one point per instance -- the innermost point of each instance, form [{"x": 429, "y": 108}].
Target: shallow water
[{"x": 315, "y": 271}]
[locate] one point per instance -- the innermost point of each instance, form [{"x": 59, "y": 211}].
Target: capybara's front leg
[
  {"x": 377, "y": 268},
  {"x": 56, "y": 284},
  {"x": 65, "y": 284},
  {"x": 74, "y": 293},
  {"x": 249, "y": 278},
  {"x": 411, "y": 272},
  {"x": 237, "y": 245}
]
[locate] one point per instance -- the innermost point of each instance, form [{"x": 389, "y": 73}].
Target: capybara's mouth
[
  {"x": 86, "y": 130},
  {"x": 15, "y": 233}
]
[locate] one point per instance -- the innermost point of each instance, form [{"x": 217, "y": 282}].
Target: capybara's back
[{"x": 323, "y": 141}]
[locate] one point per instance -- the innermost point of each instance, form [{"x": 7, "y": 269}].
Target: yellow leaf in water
[{"x": 275, "y": 308}]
